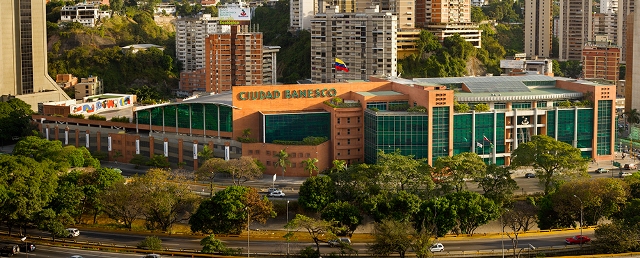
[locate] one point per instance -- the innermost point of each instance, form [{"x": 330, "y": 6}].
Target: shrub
[
  {"x": 151, "y": 243},
  {"x": 461, "y": 108},
  {"x": 158, "y": 161},
  {"x": 398, "y": 107},
  {"x": 80, "y": 116},
  {"x": 310, "y": 140},
  {"x": 139, "y": 160},
  {"x": 565, "y": 103},
  {"x": 121, "y": 119},
  {"x": 97, "y": 117},
  {"x": 417, "y": 109},
  {"x": 309, "y": 252},
  {"x": 374, "y": 109},
  {"x": 99, "y": 155},
  {"x": 482, "y": 107}
]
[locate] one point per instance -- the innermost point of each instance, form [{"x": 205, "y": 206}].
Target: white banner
[
  {"x": 166, "y": 149},
  {"x": 86, "y": 137},
  {"x": 46, "y": 132},
  {"x": 66, "y": 137},
  {"x": 226, "y": 153},
  {"x": 195, "y": 151},
  {"x": 274, "y": 177},
  {"x": 137, "y": 146},
  {"x": 109, "y": 143}
]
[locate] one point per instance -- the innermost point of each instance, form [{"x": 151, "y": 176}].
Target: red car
[{"x": 578, "y": 239}]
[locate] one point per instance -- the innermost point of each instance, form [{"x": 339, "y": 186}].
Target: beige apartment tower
[
  {"x": 537, "y": 28},
  {"x": 366, "y": 42},
  {"x": 23, "y": 70},
  {"x": 575, "y": 28}
]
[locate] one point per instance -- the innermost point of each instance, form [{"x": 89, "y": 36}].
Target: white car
[
  {"x": 437, "y": 247},
  {"x": 272, "y": 189},
  {"x": 343, "y": 241},
  {"x": 625, "y": 174},
  {"x": 276, "y": 193},
  {"x": 72, "y": 232}
]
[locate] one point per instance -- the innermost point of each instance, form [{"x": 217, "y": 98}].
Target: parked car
[
  {"x": 272, "y": 189},
  {"x": 339, "y": 242},
  {"x": 27, "y": 248},
  {"x": 277, "y": 193},
  {"x": 72, "y": 232},
  {"x": 624, "y": 174},
  {"x": 76, "y": 256},
  {"x": 578, "y": 239},
  {"x": 9, "y": 250},
  {"x": 529, "y": 175},
  {"x": 630, "y": 166},
  {"x": 151, "y": 256},
  {"x": 437, "y": 247},
  {"x": 602, "y": 170}
]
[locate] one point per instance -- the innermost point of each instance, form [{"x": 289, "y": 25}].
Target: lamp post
[
  {"x": 26, "y": 245},
  {"x": 287, "y": 227},
  {"x": 581, "y": 209},
  {"x": 435, "y": 216},
  {"x": 248, "y": 230}
]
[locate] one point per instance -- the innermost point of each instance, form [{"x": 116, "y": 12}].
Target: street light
[
  {"x": 248, "y": 230},
  {"x": 287, "y": 227},
  {"x": 581, "y": 209},
  {"x": 26, "y": 247}
]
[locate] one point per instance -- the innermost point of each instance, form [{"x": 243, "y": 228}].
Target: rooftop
[{"x": 378, "y": 93}]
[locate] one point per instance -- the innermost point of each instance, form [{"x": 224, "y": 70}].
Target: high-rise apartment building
[
  {"x": 600, "y": 60},
  {"x": 444, "y": 18},
  {"x": 402, "y": 9},
  {"x": 233, "y": 59},
  {"x": 23, "y": 51},
  {"x": 632, "y": 79},
  {"x": 269, "y": 64},
  {"x": 625, "y": 9},
  {"x": 537, "y": 28},
  {"x": 450, "y": 11},
  {"x": 576, "y": 28},
  {"x": 300, "y": 14},
  {"x": 366, "y": 42},
  {"x": 190, "y": 35}
]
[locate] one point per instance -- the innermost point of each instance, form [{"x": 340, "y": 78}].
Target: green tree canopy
[
  {"x": 15, "y": 120},
  {"x": 228, "y": 210},
  {"x": 392, "y": 236},
  {"x": 553, "y": 160},
  {"x": 453, "y": 170},
  {"x": 498, "y": 184},
  {"x": 345, "y": 214},
  {"x": 316, "y": 193},
  {"x": 472, "y": 210}
]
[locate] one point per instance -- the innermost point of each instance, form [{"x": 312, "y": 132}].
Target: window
[
  {"x": 268, "y": 163},
  {"x": 250, "y": 152},
  {"x": 268, "y": 152}
]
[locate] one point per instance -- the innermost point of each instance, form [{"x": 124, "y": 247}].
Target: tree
[
  {"x": 397, "y": 172},
  {"x": 310, "y": 165},
  {"x": 392, "y": 236},
  {"x": 601, "y": 198},
  {"x": 226, "y": 212},
  {"x": 437, "y": 216},
  {"x": 482, "y": 107},
  {"x": 121, "y": 202},
  {"x": 556, "y": 68},
  {"x": 206, "y": 153},
  {"x": 116, "y": 155},
  {"x": 68, "y": 197},
  {"x": 26, "y": 187},
  {"x": 47, "y": 220},
  {"x": 158, "y": 161},
  {"x": 616, "y": 238},
  {"x": 477, "y": 15},
  {"x": 319, "y": 230},
  {"x": 346, "y": 215},
  {"x": 166, "y": 202},
  {"x": 498, "y": 184},
  {"x": 472, "y": 210},
  {"x": 94, "y": 184},
  {"x": 211, "y": 245},
  {"x": 316, "y": 193},
  {"x": 453, "y": 170},
  {"x": 338, "y": 166},
  {"x": 210, "y": 168},
  {"x": 151, "y": 243},
  {"x": 550, "y": 158},
  {"x": 401, "y": 206},
  {"x": 633, "y": 116},
  {"x": 38, "y": 148},
  {"x": 15, "y": 119},
  {"x": 242, "y": 169},
  {"x": 283, "y": 161},
  {"x": 523, "y": 213}
]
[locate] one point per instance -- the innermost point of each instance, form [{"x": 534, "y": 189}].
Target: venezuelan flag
[{"x": 340, "y": 66}]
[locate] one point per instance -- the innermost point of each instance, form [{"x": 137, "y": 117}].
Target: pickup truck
[{"x": 9, "y": 250}]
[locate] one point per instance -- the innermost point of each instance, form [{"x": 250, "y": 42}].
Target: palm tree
[
  {"x": 339, "y": 166},
  {"x": 310, "y": 165},
  {"x": 633, "y": 116},
  {"x": 283, "y": 161},
  {"x": 206, "y": 153}
]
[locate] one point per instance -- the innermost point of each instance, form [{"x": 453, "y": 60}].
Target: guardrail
[{"x": 118, "y": 248}]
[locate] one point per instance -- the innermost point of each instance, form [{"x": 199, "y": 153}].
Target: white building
[
  {"x": 167, "y": 8},
  {"x": 366, "y": 42},
  {"x": 478, "y": 3},
  {"x": 537, "y": 28},
  {"x": 86, "y": 14},
  {"x": 301, "y": 12},
  {"x": 190, "y": 39}
]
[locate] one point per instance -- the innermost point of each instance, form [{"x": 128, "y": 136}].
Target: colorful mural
[{"x": 102, "y": 105}]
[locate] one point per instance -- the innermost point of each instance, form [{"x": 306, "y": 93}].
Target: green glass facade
[
  {"x": 390, "y": 131},
  {"x": 462, "y": 133},
  {"x": 585, "y": 128},
  {"x": 566, "y": 126},
  {"x": 605, "y": 118},
  {"x": 193, "y": 116},
  {"x": 295, "y": 127},
  {"x": 440, "y": 141}
]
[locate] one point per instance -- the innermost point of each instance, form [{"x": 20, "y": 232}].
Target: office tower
[
  {"x": 23, "y": 70},
  {"x": 537, "y": 28},
  {"x": 576, "y": 28},
  {"x": 366, "y": 42},
  {"x": 625, "y": 8}
]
